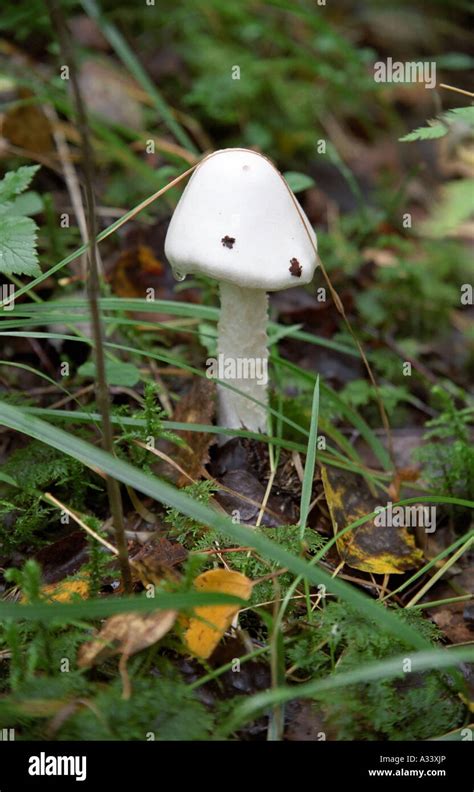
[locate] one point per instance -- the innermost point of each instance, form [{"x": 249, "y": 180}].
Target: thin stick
[
  {"x": 80, "y": 522},
  {"x": 268, "y": 490},
  {"x": 166, "y": 458},
  {"x": 70, "y": 177},
  {"x": 440, "y": 572},
  {"x": 93, "y": 289},
  {"x": 456, "y": 90},
  {"x": 340, "y": 308}
]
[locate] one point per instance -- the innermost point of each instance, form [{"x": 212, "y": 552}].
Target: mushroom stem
[{"x": 243, "y": 357}]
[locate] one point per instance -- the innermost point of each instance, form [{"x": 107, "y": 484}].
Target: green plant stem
[{"x": 439, "y": 603}]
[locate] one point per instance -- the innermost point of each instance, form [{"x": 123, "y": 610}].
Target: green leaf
[
  {"x": 108, "y": 606},
  {"x": 18, "y": 254},
  {"x": 462, "y": 114},
  {"x": 297, "y": 182},
  {"x": 16, "y": 182},
  {"x": 8, "y": 479},
  {"x": 117, "y": 373},
  {"x": 456, "y": 206},
  {"x": 440, "y": 127},
  {"x": 435, "y": 130},
  {"x": 308, "y": 477},
  {"x": 28, "y": 204}
]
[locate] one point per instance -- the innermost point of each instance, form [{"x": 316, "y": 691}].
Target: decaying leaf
[
  {"x": 402, "y": 475},
  {"x": 245, "y": 493},
  {"x": 109, "y": 91},
  {"x": 451, "y": 620},
  {"x": 26, "y": 126},
  {"x": 209, "y": 623},
  {"x": 380, "y": 549},
  {"x": 197, "y": 407},
  {"x": 156, "y": 560},
  {"x": 63, "y": 557},
  {"x": 136, "y": 269},
  {"x": 126, "y": 634},
  {"x": 65, "y": 591}
]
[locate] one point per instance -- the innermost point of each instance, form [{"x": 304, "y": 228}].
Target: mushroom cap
[{"x": 238, "y": 221}]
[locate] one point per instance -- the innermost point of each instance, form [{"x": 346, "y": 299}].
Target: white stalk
[{"x": 243, "y": 357}]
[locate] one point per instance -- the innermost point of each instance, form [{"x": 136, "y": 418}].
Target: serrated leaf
[
  {"x": 439, "y": 128},
  {"x": 297, "y": 182},
  {"x": 456, "y": 206},
  {"x": 117, "y": 373},
  {"x": 462, "y": 114},
  {"x": 435, "y": 130},
  {"x": 18, "y": 254},
  {"x": 16, "y": 182}
]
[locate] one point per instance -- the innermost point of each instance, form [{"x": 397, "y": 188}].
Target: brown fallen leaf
[
  {"x": 244, "y": 492},
  {"x": 87, "y": 33},
  {"x": 63, "y": 557},
  {"x": 156, "y": 560},
  {"x": 387, "y": 550},
  {"x": 196, "y": 407},
  {"x": 109, "y": 91},
  {"x": 126, "y": 634},
  {"x": 209, "y": 623},
  {"x": 382, "y": 258},
  {"x": 135, "y": 270},
  {"x": 27, "y": 126},
  {"x": 450, "y": 619},
  {"x": 305, "y": 722},
  {"x": 402, "y": 475}
]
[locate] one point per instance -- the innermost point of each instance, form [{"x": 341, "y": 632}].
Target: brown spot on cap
[
  {"x": 228, "y": 241},
  {"x": 295, "y": 268}
]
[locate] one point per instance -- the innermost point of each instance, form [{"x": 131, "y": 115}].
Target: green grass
[
  {"x": 199, "y": 107},
  {"x": 91, "y": 456}
]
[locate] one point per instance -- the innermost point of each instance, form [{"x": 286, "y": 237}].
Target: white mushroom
[{"x": 238, "y": 222}]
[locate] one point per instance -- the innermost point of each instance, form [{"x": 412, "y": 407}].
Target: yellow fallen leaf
[
  {"x": 209, "y": 622},
  {"x": 381, "y": 550},
  {"x": 65, "y": 590},
  {"x": 469, "y": 703}
]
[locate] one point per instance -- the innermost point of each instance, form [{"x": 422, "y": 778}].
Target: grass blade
[
  {"x": 308, "y": 477},
  {"x": 129, "y": 59},
  {"x": 385, "y": 669},
  {"x": 46, "y": 612},
  {"x": 93, "y": 457}
]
